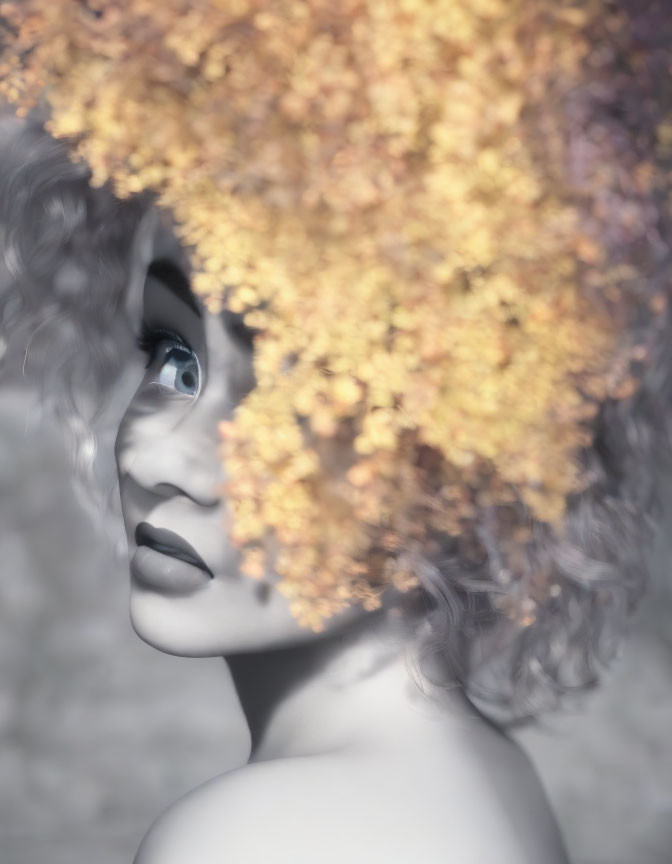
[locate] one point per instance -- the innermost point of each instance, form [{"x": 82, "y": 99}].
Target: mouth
[{"x": 168, "y": 543}]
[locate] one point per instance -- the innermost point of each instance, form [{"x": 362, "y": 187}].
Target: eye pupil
[
  {"x": 178, "y": 368},
  {"x": 179, "y": 371}
]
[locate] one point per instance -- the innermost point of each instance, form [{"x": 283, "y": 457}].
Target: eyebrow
[{"x": 174, "y": 279}]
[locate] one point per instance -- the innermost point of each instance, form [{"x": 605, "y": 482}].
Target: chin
[
  {"x": 164, "y": 628},
  {"x": 219, "y": 621}
]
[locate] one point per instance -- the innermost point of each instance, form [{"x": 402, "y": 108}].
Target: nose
[{"x": 166, "y": 459}]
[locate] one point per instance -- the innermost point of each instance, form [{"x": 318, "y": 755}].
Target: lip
[
  {"x": 169, "y": 543},
  {"x": 165, "y": 561},
  {"x": 166, "y": 574}
]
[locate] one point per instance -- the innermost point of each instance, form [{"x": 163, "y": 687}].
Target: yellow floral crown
[{"x": 384, "y": 188}]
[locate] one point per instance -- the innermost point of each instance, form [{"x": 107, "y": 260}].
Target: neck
[{"x": 348, "y": 690}]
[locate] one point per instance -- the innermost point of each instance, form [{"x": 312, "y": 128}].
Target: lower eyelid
[{"x": 168, "y": 393}]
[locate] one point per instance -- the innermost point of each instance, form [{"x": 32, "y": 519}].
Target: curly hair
[
  {"x": 65, "y": 266},
  {"x": 69, "y": 254},
  {"x": 579, "y": 586},
  {"x": 597, "y": 570}
]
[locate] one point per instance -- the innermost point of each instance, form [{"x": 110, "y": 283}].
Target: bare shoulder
[
  {"x": 290, "y": 811},
  {"x": 335, "y": 809},
  {"x": 281, "y": 809},
  {"x": 501, "y": 781}
]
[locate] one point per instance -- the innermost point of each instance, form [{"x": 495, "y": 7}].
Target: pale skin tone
[{"x": 352, "y": 757}]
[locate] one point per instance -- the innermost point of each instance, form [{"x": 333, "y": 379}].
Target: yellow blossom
[{"x": 381, "y": 188}]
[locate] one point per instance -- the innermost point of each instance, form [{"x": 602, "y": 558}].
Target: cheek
[{"x": 120, "y": 442}]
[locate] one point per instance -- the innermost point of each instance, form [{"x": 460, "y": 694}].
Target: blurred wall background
[{"x": 99, "y": 732}]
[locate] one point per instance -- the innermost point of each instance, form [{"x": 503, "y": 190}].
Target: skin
[{"x": 347, "y": 739}]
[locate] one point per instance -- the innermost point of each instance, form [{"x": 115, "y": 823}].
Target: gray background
[{"x": 99, "y": 732}]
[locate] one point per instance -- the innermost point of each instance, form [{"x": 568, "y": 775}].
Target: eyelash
[{"x": 149, "y": 339}]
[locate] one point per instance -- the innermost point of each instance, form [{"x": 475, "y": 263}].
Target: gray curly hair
[
  {"x": 69, "y": 254},
  {"x": 66, "y": 261},
  {"x": 595, "y": 567}
]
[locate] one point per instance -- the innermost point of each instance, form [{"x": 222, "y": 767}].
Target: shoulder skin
[{"x": 335, "y": 809}]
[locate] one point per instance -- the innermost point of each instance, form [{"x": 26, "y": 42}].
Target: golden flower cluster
[{"x": 382, "y": 187}]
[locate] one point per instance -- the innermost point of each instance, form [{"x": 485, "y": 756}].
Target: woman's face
[{"x": 199, "y": 368}]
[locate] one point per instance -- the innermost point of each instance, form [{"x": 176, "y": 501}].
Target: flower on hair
[{"x": 384, "y": 188}]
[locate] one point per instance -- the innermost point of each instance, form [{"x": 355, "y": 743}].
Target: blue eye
[{"x": 179, "y": 368}]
